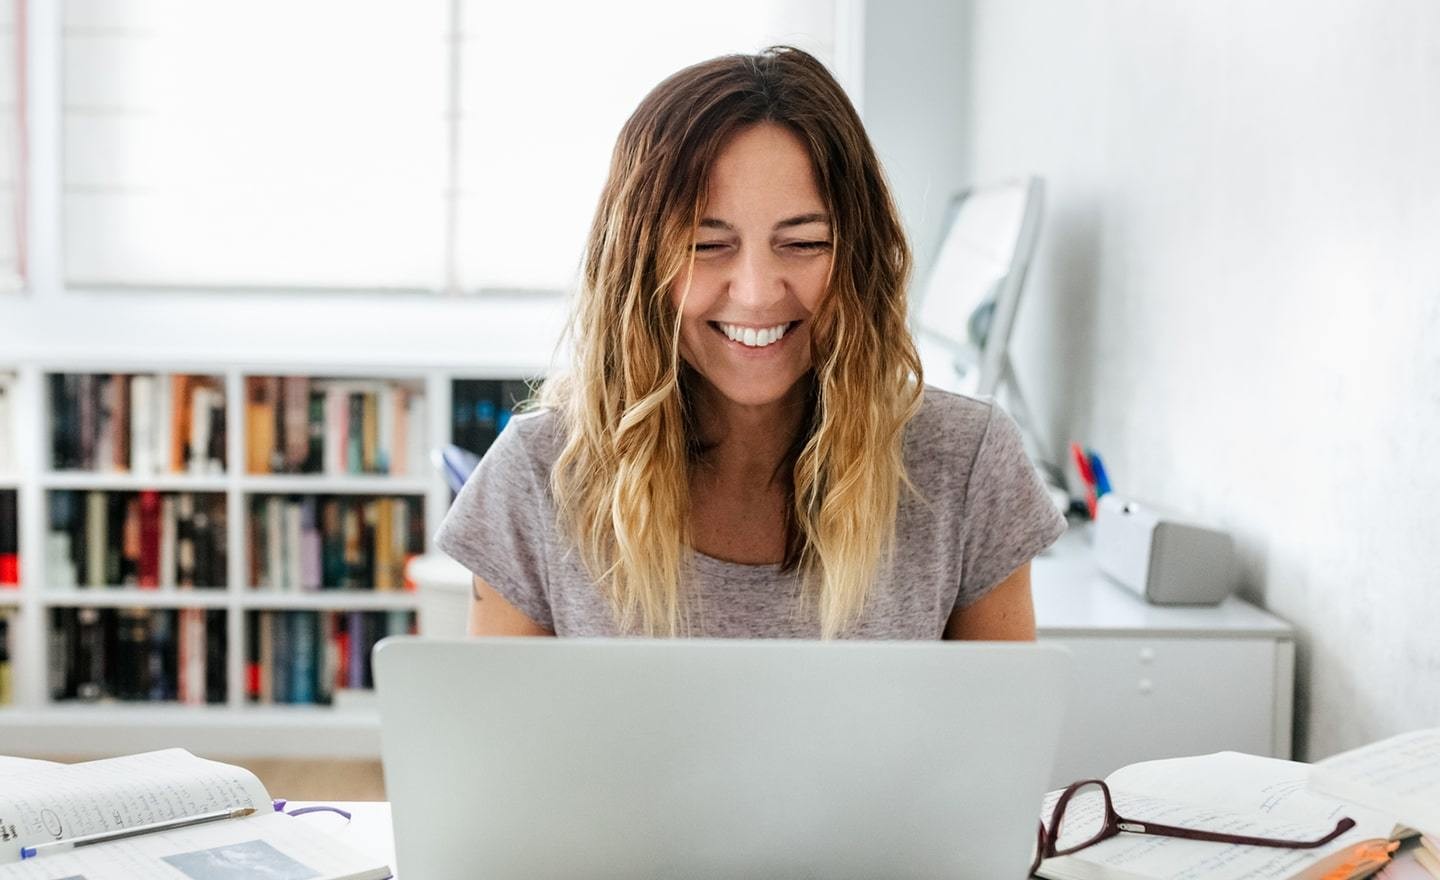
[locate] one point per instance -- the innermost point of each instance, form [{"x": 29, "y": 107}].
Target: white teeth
[{"x": 752, "y": 337}]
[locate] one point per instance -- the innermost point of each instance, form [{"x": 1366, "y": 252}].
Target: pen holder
[{"x": 1164, "y": 560}]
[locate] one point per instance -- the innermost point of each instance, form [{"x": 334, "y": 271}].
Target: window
[{"x": 387, "y": 144}]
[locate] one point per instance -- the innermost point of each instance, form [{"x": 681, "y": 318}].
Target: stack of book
[
  {"x": 309, "y": 656},
  {"x": 137, "y": 424},
  {"x": 9, "y": 538},
  {"x": 480, "y": 409},
  {"x": 298, "y": 425},
  {"x": 154, "y": 655},
  {"x": 333, "y": 542},
  {"x": 143, "y": 539}
]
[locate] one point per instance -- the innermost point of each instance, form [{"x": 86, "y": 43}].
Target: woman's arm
[
  {"x": 1006, "y": 613},
  {"x": 491, "y": 615}
]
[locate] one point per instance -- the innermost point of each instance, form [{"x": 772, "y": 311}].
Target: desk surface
[
  {"x": 1074, "y": 598},
  {"x": 369, "y": 829}
]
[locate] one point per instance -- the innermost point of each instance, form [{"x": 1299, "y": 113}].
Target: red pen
[{"x": 1087, "y": 475}]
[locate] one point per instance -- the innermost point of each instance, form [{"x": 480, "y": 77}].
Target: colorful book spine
[
  {"x": 150, "y": 525},
  {"x": 9, "y": 539}
]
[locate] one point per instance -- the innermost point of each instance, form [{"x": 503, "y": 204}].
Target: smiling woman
[{"x": 744, "y": 446}]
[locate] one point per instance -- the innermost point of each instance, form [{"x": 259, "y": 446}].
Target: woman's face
[{"x": 762, "y": 259}]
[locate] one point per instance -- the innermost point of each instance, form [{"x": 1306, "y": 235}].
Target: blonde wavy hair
[{"x": 622, "y": 479}]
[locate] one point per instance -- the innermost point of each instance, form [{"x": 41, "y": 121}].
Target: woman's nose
[{"x": 757, "y": 282}]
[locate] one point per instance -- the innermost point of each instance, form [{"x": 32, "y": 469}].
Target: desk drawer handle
[
  {"x": 1147, "y": 655},
  {"x": 1146, "y": 686}
]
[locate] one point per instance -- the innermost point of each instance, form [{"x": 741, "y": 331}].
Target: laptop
[{"x": 632, "y": 758}]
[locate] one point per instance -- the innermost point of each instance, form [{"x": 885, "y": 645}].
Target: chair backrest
[{"x": 967, "y": 307}]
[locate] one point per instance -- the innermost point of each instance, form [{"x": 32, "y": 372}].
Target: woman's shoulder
[
  {"x": 944, "y": 439},
  {"x": 534, "y": 438},
  {"x": 948, "y": 421}
]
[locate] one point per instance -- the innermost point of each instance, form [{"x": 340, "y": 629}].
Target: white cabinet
[{"x": 1159, "y": 681}]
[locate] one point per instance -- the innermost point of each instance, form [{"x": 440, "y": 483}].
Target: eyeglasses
[{"x": 1085, "y": 827}]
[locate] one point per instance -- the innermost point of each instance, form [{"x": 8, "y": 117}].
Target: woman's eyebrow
[{"x": 798, "y": 220}]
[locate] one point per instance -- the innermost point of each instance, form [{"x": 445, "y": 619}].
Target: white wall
[
  {"x": 1237, "y": 298},
  {"x": 914, "y": 108}
]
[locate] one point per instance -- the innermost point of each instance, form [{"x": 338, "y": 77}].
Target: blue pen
[{"x": 1102, "y": 482}]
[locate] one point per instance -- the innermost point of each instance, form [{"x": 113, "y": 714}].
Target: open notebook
[
  {"x": 42, "y": 802},
  {"x": 1390, "y": 788}
]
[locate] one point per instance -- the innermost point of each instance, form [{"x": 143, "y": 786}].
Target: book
[
  {"x": 295, "y": 397},
  {"x": 151, "y": 526},
  {"x": 142, "y": 427},
  {"x": 202, "y": 401},
  {"x": 259, "y": 425},
  {"x": 96, "y": 538},
  {"x": 52, "y": 802},
  {"x": 1232, "y": 793},
  {"x": 1400, "y": 775},
  {"x": 120, "y": 423},
  {"x": 180, "y": 422},
  {"x": 9, "y": 539},
  {"x": 216, "y": 642}
]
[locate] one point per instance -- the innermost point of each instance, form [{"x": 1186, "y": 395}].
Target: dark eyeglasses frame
[{"x": 1115, "y": 823}]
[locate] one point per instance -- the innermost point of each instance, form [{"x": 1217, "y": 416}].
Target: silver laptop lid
[{"x": 539, "y": 758}]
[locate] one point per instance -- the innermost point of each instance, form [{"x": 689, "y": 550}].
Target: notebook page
[
  {"x": 1250, "y": 784},
  {"x": 1174, "y": 858},
  {"x": 1401, "y": 774},
  {"x": 270, "y": 845},
  {"x": 71, "y": 800},
  {"x": 15, "y": 766}
]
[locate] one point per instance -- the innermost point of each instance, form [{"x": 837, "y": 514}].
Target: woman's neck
[{"x": 746, "y": 444}]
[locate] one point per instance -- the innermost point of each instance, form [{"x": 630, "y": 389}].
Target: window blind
[
  {"x": 369, "y": 144},
  {"x": 544, "y": 91},
  {"x": 270, "y": 143}
]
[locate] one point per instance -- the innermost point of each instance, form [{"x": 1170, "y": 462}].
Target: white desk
[
  {"x": 369, "y": 829},
  {"x": 1160, "y": 681}
]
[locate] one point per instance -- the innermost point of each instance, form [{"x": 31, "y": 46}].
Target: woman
[{"x": 742, "y": 446}]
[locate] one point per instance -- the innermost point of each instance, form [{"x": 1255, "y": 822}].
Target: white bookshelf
[{"x": 36, "y": 724}]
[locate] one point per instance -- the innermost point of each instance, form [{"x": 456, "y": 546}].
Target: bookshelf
[{"x": 254, "y": 640}]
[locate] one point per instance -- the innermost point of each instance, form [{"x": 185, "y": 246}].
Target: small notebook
[{"x": 40, "y": 803}]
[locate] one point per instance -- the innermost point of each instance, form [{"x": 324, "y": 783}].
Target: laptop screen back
[{"x": 627, "y": 758}]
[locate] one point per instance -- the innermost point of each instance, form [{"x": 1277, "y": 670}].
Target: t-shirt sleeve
[
  {"x": 1009, "y": 517},
  {"x": 497, "y": 527}
]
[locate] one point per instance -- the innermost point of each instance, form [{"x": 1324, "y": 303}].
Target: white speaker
[{"x": 1164, "y": 560}]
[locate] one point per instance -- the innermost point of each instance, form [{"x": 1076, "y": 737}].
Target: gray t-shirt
[{"x": 982, "y": 514}]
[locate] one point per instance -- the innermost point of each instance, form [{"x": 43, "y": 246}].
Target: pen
[
  {"x": 1088, "y": 476},
  {"x": 1097, "y": 469},
  {"x": 40, "y": 849}
]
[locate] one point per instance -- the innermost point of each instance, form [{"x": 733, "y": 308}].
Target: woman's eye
[
  {"x": 809, "y": 245},
  {"x": 704, "y": 246}
]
